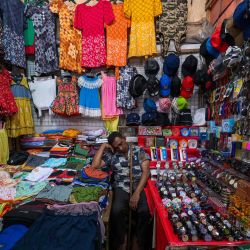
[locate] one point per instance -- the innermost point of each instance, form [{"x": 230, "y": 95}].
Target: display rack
[{"x": 165, "y": 236}]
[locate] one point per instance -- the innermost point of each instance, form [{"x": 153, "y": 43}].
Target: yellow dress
[
  {"x": 142, "y": 35},
  {"x": 4, "y": 146},
  {"x": 20, "y": 123}
]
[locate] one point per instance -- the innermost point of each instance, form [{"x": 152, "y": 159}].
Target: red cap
[
  {"x": 187, "y": 87},
  {"x": 216, "y": 41}
]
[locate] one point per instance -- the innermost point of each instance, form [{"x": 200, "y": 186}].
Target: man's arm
[
  {"x": 97, "y": 161},
  {"x": 142, "y": 183}
]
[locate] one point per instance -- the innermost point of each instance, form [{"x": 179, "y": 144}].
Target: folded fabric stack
[
  {"x": 32, "y": 142},
  {"x": 76, "y": 163},
  {"x": 60, "y": 150},
  {"x": 55, "y": 194},
  {"x": 86, "y": 194},
  {"x": 63, "y": 176},
  {"x": 91, "y": 177},
  {"x": 54, "y": 162}
]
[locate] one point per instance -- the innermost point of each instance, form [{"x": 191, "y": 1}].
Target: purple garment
[{"x": 80, "y": 209}]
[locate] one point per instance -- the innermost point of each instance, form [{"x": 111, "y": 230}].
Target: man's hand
[
  {"x": 107, "y": 146},
  {"x": 134, "y": 200}
]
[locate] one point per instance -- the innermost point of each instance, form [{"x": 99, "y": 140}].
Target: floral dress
[
  {"x": 117, "y": 34},
  {"x": 46, "y": 59},
  {"x": 142, "y": 36},
  {"x": 20, "y": 123},
  {"x": 70, "y": 38},
  {"x": 8, "y": 105},
  {"x": 67, "y": 100},
  {"x": 90, "y": 20},
  {"x": 13, "y": 41}
]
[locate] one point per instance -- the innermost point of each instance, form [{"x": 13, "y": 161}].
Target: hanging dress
[
  {"x": 8, "y": 105},
  {"x": 46, "y": 59},
  {"x": 91, "y": 20},
  {"x": 89, "y": 96},
  {"x": 20, "y": 123},
  {"x": 109, "y": 108},
  {"x": 13, "y": 28},
  {"x": 70, "y": 38},
  {"x": 67, "y": 100},
  {"x": 117, "y": 35},
  {"x": 142, "y": 35}
]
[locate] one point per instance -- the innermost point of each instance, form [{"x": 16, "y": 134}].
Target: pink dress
[
  {"x": 109, "y": 108},
  {"x": 91, "y": 20}
]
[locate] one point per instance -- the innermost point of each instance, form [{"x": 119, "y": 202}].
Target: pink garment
[
  {"x": 90, "y": 20},
  {"x": 109, "y": 108}
]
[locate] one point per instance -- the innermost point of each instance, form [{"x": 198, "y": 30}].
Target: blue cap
[
  {"x": 211, "y": 50},
  {"x": 165, "y": 86},
  {"x": 133, "y": 119},
  {"x": 149, "y": 118},
  {"x": 149, "y": 105},
  {"x": 171, "y": 64},
  {"x": 241, "y": 15}
]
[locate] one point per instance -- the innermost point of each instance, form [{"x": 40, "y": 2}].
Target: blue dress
[{"x": 89, "y": 96}]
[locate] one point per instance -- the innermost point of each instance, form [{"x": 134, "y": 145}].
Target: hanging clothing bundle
[
  {"x": 8, "y": 105},
  {"x": 67, "y": 100},
  {"x": 173, "y": 23},
  {"x": 123, "y": 97},
  {"x": 46, "y": 59},
  {"x": 89, "y": 96},
  {"x": 20, "y": 123},
  {"x": 4, "y": 146},
  {"x": 117, "y": 35},
  {"x": 1, "y": 39},
  {"x": 91, "y": 20},
  {"x": 70, "y": 38},
  {"x": 142, "y": 37},
  {"x": 13, "y": 41}
]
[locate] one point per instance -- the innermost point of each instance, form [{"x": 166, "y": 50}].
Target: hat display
[
  {"x": 202, "y": 78},
  {"x": 133, "y": 119},
  {"x": 235, "y": 32},
  {"x": 211, "y": 50},
  {"x": 184, "y": 118},
  {"x": 137, "y": 85},
  {"x": 181, "y": 103},
  {"x": 149, "y": 105},
  {"x": 163, "y": 119},
  {"x": 204, "y": 53},
  {"x": 189, "y": 66},
  {"x": 233, "y": 56},
  {"x": 149, "y": 118},
  {"x": 187, "y": 87},
  {"x": 200, "y": 117},
  {"x": 175, "y": 86},
  {"x": 171, "y": 64},
  {"x": 153, "y": 86},
  {"x": 217, "y": 68},
  {"x": 241, "y": 17},
  {"x": 174, "y": 105},
  {"x": 164, "y": 105},
  {"x": 216, "y": 41},
  {"x": 165, "y": 86},
  {"x": 225, "y": 35},
  {"x": 151, "y": 67}
]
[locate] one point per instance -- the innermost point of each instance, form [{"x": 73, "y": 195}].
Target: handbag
[{"x": 17, "y": 157}]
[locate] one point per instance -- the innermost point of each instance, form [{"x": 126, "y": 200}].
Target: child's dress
[
  {"x": 89, "y": 96},
  {"x": 67, "y": 100},
  {"x": 20, "y": 123}
]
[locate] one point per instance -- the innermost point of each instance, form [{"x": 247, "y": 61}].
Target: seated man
[{"x": 116, "y": 155}]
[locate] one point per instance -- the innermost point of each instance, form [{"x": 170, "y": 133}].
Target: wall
[
  {"x": 218, "y": 10},
  {"x": 85, "y": 123}
]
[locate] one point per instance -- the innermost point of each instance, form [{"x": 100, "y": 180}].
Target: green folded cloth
[
  {"x": 81, "y": 151},
  {"x": 86, "y": 194}
]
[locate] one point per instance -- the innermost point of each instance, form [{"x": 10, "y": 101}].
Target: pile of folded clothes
[{"x": 61, "y": 150}]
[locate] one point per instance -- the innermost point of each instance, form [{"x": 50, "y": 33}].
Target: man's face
[{"x": 120, "y": 145}]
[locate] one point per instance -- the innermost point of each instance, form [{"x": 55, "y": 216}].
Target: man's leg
[
  {"x": 143, "y": 224},
  {"x": 119, "y": 218}
]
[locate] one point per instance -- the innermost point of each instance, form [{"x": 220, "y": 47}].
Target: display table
[{"x": 165, "y": 237}]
